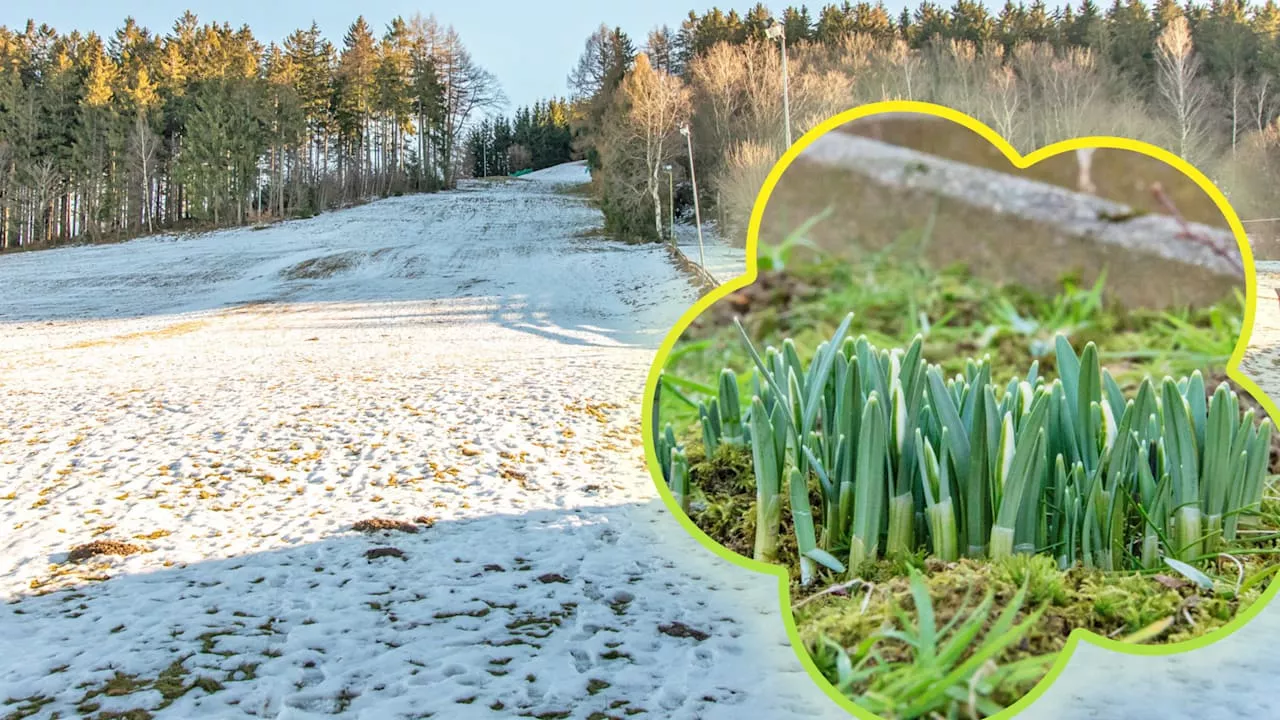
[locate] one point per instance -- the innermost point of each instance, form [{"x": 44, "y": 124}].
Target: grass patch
[
  {"x": 321, "y": 267},
  {"x": 959, "y": 315},
  {"x": 169, "y": 331}
]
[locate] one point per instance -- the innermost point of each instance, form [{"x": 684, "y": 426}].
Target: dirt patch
[
  {"x": 378, "y": 524},
  {"x": 321, "y": 267},
  {"x": 382, "y": 552},
  {"x": 680, "y": 630},
  {"x": 772, "y": 289},
  {"x": 80, "y": 553}
]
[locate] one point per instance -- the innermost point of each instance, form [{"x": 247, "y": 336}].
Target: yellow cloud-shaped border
[{"x": 1020, "y": 162}]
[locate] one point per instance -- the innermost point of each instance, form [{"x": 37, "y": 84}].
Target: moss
[
  {"x": 1112, "y": 605},
  {"x": 728, "y": 472}
]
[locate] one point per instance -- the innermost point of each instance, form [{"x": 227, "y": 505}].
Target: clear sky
[{"x": 529, "y": 46}]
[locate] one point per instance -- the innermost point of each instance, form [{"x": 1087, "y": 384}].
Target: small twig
[
  {"x": 1187, "y": 233},
  {"x": 987, "y": 668},
  {"x": 838, "y": 588},
  {"x": 1239, "y": 566}
]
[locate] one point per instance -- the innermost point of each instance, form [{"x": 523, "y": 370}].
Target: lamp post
[
  {"x": 693, "y": 178},
  {"x": 776, "y": 31},
  {"x": 671, "y": 200}
]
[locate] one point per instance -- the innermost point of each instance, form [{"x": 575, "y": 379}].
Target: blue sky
[{"x": 529, "y": 46}]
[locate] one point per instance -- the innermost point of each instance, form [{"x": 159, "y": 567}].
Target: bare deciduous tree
[
  {"x": 640, "y": 136},
  {"x": 657, "y": 102},
  {"x": 1180, "y": 88},
  {"x": 519, "y": 157},
  {"x": 1004, "y": 102},
  {"x": 1262, "y": 102},
  {"x": 6, "y": 190},
  {"x": 43, "y": 178},
  {"x": 143, "y": 146}
]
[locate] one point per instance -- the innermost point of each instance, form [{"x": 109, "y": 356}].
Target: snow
[
  {"x": 234, "y": 402},
  {"x": 574, "y": 172},
  {"x": 474, "y": 357},
  {"x": 722, "y": 259}
]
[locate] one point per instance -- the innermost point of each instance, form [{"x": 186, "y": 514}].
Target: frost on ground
[
  {"x": 723, "y": 259},
  {"x": 468, "y": 365}
]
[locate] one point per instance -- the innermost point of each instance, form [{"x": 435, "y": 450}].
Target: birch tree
[
  {"x": 1180, "y": 89},
  {"x": 658, "y": 102}
]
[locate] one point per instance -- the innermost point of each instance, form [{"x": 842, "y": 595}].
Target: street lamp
[
  {"x": 671, "y": 199},
  {"x": 697, "y": 213},
  {"x": 777, "y": 31}
]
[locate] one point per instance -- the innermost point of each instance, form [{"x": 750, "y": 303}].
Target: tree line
[
  {"x": 107, "y": 138},
  {"x": 1198, "y": 79},
  {"x": 533, "y": 138}
]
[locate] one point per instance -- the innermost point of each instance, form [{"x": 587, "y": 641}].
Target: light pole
[
  {"x": 697, "y": 213},
  {"x": 777, "y": 31},
  {"x": 671, "y": 199}
]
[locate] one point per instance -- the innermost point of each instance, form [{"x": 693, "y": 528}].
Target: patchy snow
[
  {"x": 722, "y": 259},
  {"x": 567, "y": 173},
  {"x": 232, "y": 403}
]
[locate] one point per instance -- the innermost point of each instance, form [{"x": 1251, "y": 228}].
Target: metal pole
[
  {"x": 671, "y": 202},
  {"x": 786, "y": 99},
  {"x": 697, "y": 212}
]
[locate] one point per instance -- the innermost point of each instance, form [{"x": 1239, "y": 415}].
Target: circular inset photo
[{"x": 975, "y": 408}]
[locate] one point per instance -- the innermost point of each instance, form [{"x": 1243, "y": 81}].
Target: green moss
[{"x": 1113, "y": 605}]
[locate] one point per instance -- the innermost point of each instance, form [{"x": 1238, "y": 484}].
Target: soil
[
  {"x": 377, "y": 524},
  {"x": 80, "y": 553}
]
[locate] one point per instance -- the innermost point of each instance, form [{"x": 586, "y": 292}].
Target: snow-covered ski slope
[{"x": 234, "y": 402}]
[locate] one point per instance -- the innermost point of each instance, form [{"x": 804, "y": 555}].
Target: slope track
[{"x": 232, "y": 404}]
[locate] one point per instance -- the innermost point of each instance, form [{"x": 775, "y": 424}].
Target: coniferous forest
[
  {"x": 1201, "y": 80},
  {"x": 532, "y": 138},
  {"x": 207, "y": 125}
]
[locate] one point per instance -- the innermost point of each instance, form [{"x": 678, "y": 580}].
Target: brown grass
[
  {"x": 174, "y": 330},
  {"x": 378, "y": 524},
  {"x": 321, "y": 267},
  {"x": 103, "y": 547}
]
